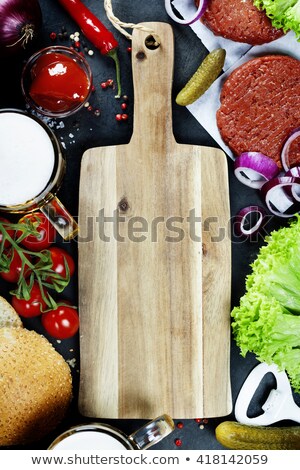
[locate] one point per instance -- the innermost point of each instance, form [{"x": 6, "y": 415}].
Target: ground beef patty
[
  {"x": 260, "y": 105},
  {"x": 240, "y": 21}
]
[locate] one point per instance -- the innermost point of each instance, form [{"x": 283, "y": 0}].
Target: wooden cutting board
[{"x": 154, "y": 300}]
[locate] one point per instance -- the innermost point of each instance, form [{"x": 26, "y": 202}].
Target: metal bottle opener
[{"x": 279, "y": 405}]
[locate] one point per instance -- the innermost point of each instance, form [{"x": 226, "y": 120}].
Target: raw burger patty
[
  {"x": 260, "y": 105},
  {"x": 239, "y": 20}
]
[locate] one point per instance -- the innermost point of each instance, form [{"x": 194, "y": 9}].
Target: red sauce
[{"x": 59, "y": 84}]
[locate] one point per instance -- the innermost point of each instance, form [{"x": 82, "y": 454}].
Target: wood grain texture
[{"x": 154, "y": 299}]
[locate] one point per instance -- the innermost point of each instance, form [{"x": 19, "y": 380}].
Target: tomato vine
[{"x": 38, "y": 263}]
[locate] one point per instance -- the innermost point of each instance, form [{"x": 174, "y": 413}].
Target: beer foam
[
  {"x": 27, "y": 158},
  {"x": 88, "y": 440}
]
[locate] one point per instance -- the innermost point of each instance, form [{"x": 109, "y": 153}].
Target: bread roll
[
  {"x": 8, "y": 315},
  {"x": 35, "y": 386}
]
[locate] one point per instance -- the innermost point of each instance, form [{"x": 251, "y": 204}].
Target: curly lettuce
[
  {"x": 267, "y": 321},
  {"x": 283, "y": 14}
]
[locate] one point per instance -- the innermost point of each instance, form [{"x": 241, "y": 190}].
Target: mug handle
[
  {"x": 60, "y": 218},
  {"x": 152, "y": 432}
]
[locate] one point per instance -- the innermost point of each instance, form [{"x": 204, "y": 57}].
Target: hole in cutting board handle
[{"x": 152, "y": 42}]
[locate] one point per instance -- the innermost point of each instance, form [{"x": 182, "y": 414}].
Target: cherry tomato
[
  {"x": 15, "y": 267},
  {"x": 59, "y": 257},
  {"x": 46, "y": 232},
  {"x": 10, "y": 232},
  {"x": 32, "y": 307},
  {"x": 61, "y": 323}
]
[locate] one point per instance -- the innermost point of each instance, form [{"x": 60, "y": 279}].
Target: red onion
[
  {"x": 277, "y": 194},
  {"x": 285, "y": 149},
  {"x": 254, "y": 168},
  {"x": 241, "y": 219},
  {"x": 295, "y": 171},
  {"x": 200, "y": 11},
  {"x": 19, "y": 23},
  {"x": 294, "y": 191}
]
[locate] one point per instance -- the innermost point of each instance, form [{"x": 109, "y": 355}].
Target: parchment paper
[{"x": 205, "y": 108}]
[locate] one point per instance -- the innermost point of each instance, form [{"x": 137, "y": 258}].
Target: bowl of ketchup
[{"x": 56, "y": 81}]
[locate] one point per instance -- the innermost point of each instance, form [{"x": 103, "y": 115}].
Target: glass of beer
[
  {"x": 32, "y": 170},
  {"x": 101, "y": 436}
]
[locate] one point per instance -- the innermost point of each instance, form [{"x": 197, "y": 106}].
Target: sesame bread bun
[
  {"x": 35, "y": 387},
  {"x": 8, "y": 315}
]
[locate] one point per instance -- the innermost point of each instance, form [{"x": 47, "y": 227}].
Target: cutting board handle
[{"x": 152, "y": 67}]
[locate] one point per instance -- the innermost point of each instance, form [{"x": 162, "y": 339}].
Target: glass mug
[
  {"x": 32, "y": 169},
  {"x": 100, "y": 436}
]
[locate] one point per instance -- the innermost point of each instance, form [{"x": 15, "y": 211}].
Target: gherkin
[{"x": 203, "y": 78}]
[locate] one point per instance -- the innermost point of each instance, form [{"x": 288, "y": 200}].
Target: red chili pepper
[{"x": 95, "y": 31}]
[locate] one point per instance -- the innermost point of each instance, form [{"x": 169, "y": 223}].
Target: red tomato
[
  {"x": 10, "y": 232},
  {"x": 59, "y": 84},
  {"x": 59, "y": 257},
  {"x": 46, "y": 232},
  {"x": 61, "y": 323},
  {"x": 15, "y": 267},
  {"x": 32, "y": 307}
]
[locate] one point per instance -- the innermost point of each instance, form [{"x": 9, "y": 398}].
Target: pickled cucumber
[
  {"x": 203, "y": 78},
  {"x": 243, "y": 437}
]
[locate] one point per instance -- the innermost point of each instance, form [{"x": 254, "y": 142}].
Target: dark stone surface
[{"x": 85, "y": 130}]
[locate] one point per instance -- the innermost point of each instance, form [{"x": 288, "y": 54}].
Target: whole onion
[{"x": 20, "y": 21}]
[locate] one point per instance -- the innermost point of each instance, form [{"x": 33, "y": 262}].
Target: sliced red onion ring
[
  {"x": 286, "y": 147},
  {"x": 254, "y": 168},
  {"x": 200, "y": 11},
  {"x": 295, "y": 171},
  {"x": 294, "y": 191},
  {"x": 276, "y": 196},
  {"x": 241, "y": 220}
]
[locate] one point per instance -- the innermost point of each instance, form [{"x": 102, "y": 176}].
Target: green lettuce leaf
[
  {"x": 278, "y": 276},
  {"x": 267, "y": 321},
  {"x": 292, "y": 19},
  {"x": 277, "y": 10}
]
